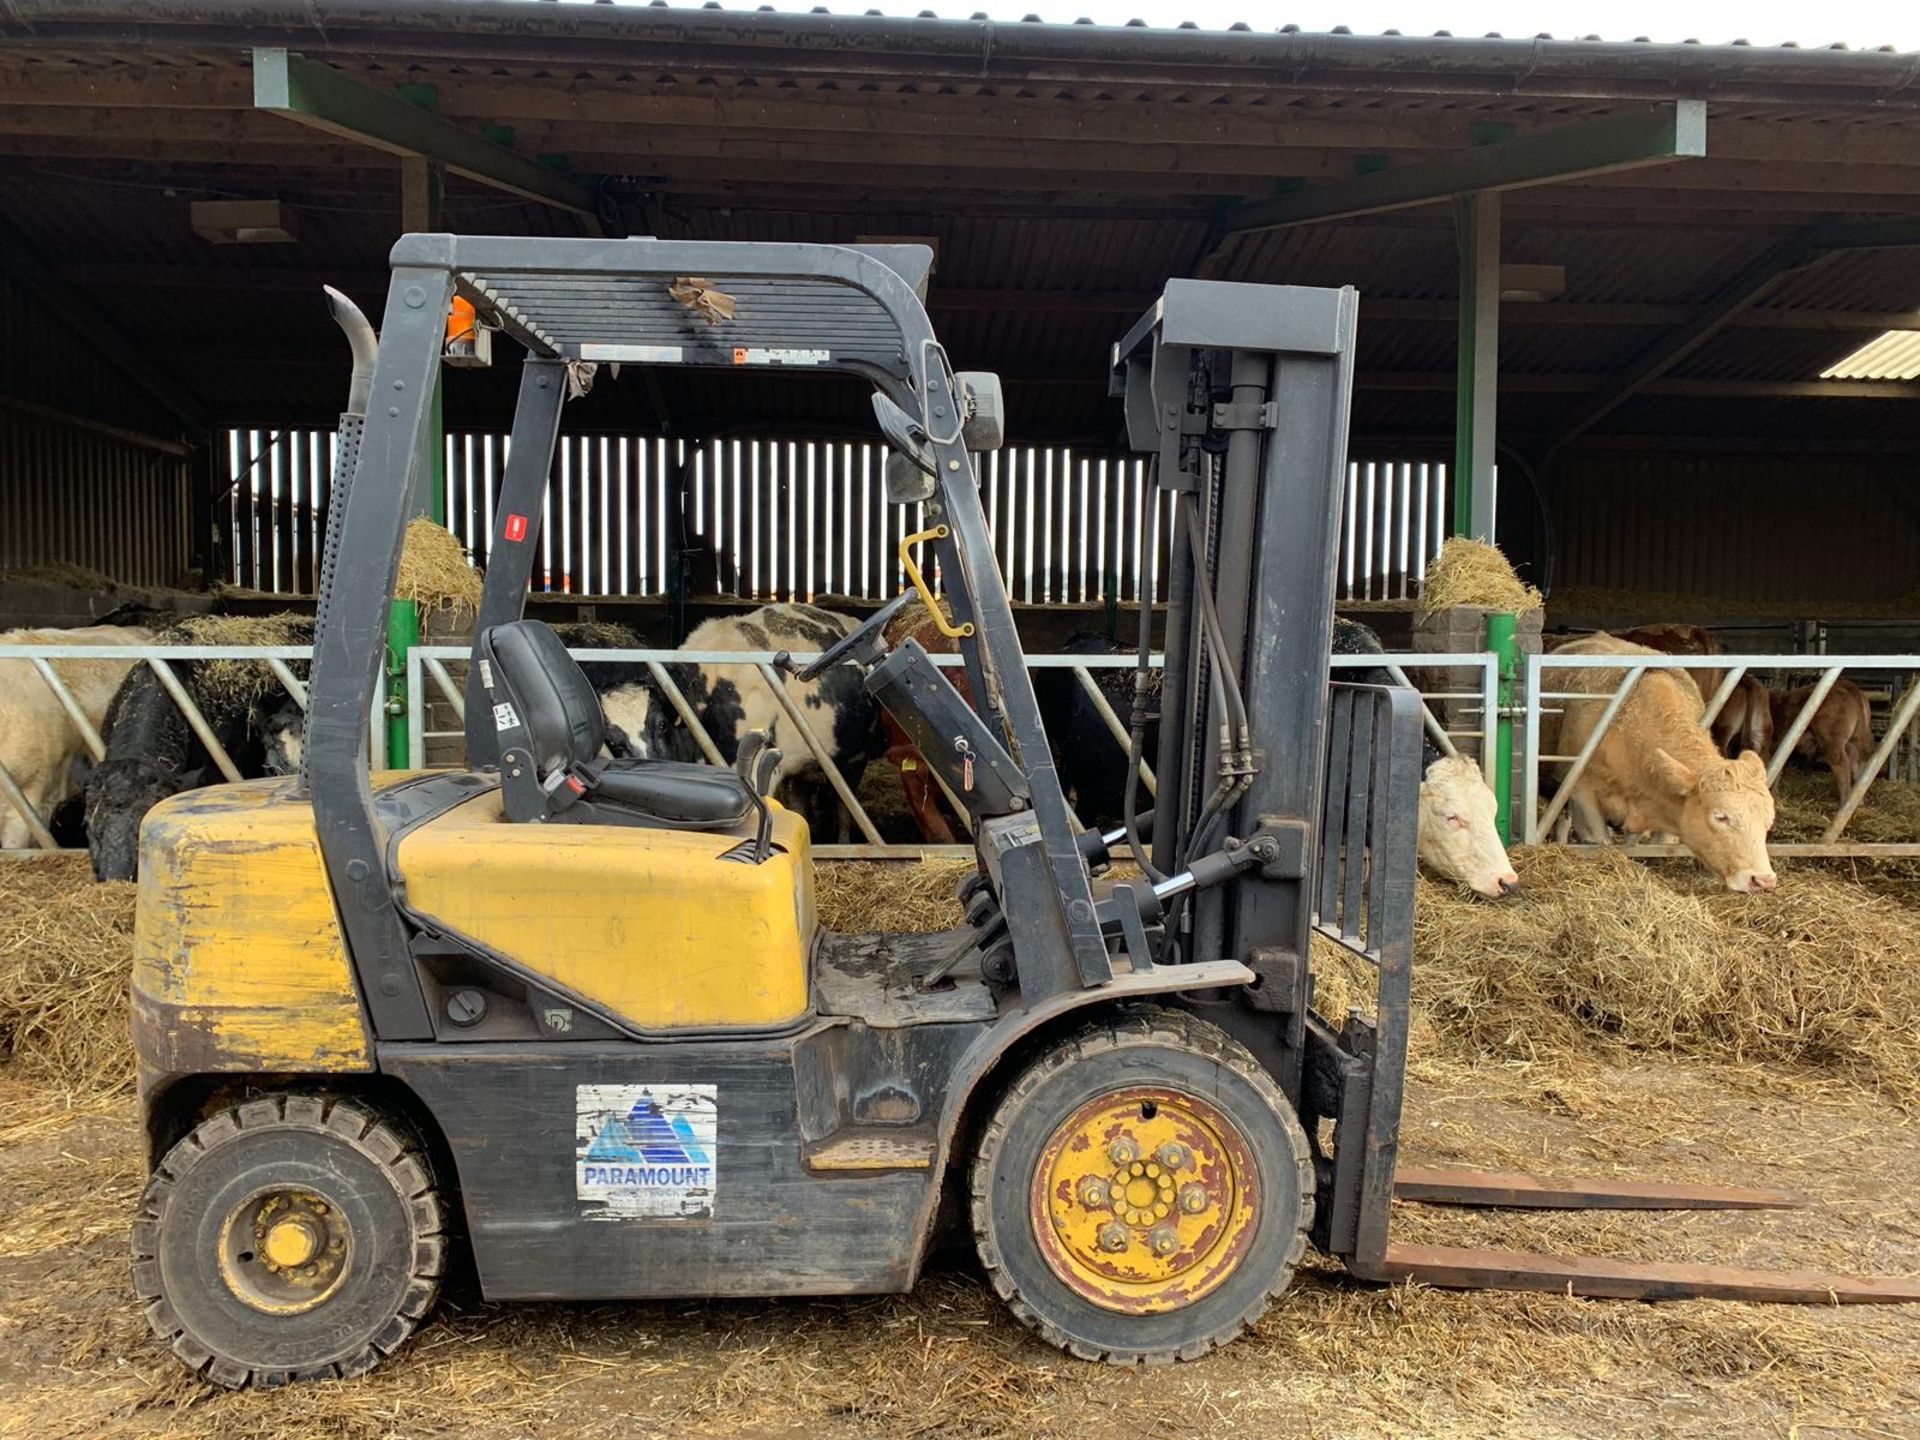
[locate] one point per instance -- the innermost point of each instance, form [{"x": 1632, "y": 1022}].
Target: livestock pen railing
[
  {"x": 1895, "y": 694},
  {"x": 1462, "y": 687},
  {"x": 1460, "y": 715},
  {"x": 1465, "y": 694},
  {"x": 279, "y": 661}
]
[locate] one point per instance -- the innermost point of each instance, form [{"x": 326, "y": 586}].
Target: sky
[{"x": 1862, "y": 24}]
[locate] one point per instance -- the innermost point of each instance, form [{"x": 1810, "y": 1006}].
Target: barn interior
[{"x": 1605, "y": 287}]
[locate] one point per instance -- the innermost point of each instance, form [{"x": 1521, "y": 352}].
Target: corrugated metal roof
[{"x": 1064, "y": 172}]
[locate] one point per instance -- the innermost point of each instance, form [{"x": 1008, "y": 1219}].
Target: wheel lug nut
[
  {"x": 1113, "y": 1238},
  {"x": 1173, "y": 1155},
  {"x": 1123, "y": 1151},
  {"x": 1193, "y": 1198},
  {"x": 1163, "y": 1241},
  {"x": 1093, "y": 1193}
]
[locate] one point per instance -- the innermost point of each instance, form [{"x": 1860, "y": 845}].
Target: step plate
[{"x": 872, "y": 1152}]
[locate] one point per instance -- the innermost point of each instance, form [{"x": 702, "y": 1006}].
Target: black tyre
[
  {"x": 1143, "y": 1191},
  {"x": 296, "y": 1237}
]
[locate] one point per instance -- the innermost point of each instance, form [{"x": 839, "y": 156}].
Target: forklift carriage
[{"x": 573, "y": 1005}]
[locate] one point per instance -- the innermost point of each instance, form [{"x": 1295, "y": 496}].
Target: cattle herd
[{"x": 1657, "y": 772}]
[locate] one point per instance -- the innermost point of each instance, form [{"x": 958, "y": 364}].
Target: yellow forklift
[{"x": 571, "y": 1009}]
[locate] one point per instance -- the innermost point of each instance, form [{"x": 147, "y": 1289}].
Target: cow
[
  {"x": 926, "y": 805},
  {"x": 732, "y": 700},
  {"x": 1459, "y": 832},
  {"x": 1745, "y": 721},
  {"x": 39, "y": 744},
  {"x": 1840, "y": 733},
  {"x": 152, "y": 752},
  {"x": 1656, "y": 770}
]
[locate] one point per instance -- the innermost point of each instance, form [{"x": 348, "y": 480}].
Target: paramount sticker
[{"x": 645, "y": 1152}]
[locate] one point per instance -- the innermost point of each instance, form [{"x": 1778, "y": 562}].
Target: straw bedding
[
  {"x": 1472, "y": 572},
  {"x": 1598, "y": 956},
  {"x": 65, "y": 947}
]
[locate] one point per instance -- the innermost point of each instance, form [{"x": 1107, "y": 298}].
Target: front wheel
[
  {"x": 1143, "y": 1191},
  {"x": 294, "y": 1237}
]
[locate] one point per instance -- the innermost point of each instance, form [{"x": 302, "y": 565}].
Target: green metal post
[
  {"x": 1477, "y": 381},
  {"x": 403, "y": 633},
  {"x": 1500, "y": 640},
  {"x": 422, "y": 191}
]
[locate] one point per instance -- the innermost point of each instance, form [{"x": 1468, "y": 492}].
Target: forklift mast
[{"x": 1239, "y": 395}]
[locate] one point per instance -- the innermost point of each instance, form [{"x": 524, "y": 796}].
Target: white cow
[{"x": 38, "y": 742}]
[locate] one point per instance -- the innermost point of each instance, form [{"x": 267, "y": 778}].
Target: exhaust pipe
[
  {"x": 353, "y": 421},
  {"x": 366, "y": 348}
]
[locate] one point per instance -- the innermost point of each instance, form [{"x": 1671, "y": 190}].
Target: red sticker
[{"x": 516, "y": 528}]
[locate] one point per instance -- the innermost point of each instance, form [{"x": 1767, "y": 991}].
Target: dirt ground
[{"x": 1335, "y": 1359}]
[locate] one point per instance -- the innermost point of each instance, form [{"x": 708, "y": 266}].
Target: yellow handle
[{"x": 939, "y": 532}]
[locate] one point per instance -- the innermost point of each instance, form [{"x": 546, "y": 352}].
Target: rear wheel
[
  {"x": 294, "y": 1237},
  {"x": 1143, "y": 1191}
]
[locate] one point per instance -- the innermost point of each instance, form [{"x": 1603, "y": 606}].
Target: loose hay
[
  {"x": 1332, "y": 1359},
  {"x": 237, "y": 683},
  {"x": 1599, "y": 952},
  {"x": 434, "y": 570},
  {"x": 65, "y": 951},
  {"x": 889, "y": 895},
  {"x": 1472, "y": 572}
]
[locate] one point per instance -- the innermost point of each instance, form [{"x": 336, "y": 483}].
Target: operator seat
[{"x": 551, "y": 729}]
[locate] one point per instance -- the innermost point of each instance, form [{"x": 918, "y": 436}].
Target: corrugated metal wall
[
  {"x": 74, "y": 497},
  {"x": 100, "y": 497},
  {"x": 1745, "y": 527}
]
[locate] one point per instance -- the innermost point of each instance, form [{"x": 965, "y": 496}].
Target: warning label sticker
[
  {"x": 634, "y": 354},
  {"x": 646, "y": 1152},
  {"x": 504, "y": 716},
  {"x": 745, "y": 355}
]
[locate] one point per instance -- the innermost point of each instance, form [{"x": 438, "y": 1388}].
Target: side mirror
[{"x": 986, "y": 425}]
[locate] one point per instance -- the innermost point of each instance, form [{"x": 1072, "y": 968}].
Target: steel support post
[
  {"x": 1500, "y": 641},
  {"x": 422, "y": 190},
  {"x": 1477, "y": 224}
]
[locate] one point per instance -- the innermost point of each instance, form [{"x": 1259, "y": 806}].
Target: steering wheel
[{"x": 871, "y": 627}]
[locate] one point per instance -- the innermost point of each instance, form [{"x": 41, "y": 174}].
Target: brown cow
[
  {"x": 925, "y": 802},
  {"x": 1655, "y": 770},
  {"x": 1840, "y": 733},
  {"x": 1745, "y": 721}
]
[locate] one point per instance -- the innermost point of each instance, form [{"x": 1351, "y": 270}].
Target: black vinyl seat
[{"x": 551, "y": 732}]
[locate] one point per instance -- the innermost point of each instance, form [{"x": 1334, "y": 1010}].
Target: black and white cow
[
  {"x": 152, "y": 752},
  {"x": 731, "y": 700}
]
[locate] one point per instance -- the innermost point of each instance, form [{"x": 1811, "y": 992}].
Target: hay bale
[
  {"x": 434, "y": 571},
  {"x": 66, "y": 947},
  {"x": 1600, "y": 953},
  {"x": 1474, "y": 573},
  {"x": 237, "y": 683}
]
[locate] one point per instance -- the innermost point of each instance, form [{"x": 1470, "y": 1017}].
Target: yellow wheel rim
[
  {"x": 285, "y": 1251},
  {"x": 1145, "y": 1200}
]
